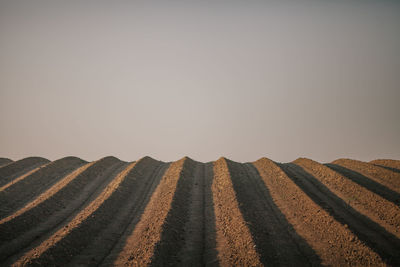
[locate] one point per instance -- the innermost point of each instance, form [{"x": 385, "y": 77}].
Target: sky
[{"x": 241, "y": 79}]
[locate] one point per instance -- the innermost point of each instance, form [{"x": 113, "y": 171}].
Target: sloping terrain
[{"x": 187, "y": 213}]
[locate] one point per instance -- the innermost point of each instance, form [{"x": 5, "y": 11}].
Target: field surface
[{"x": 188, "y": 213}]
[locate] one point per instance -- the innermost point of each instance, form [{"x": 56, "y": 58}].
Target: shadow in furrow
[
  {"x": 372, "y": 234},
  {"x": 368, "y": 183},
  {"x": 388, "y": 168},
  {"x": 173, "y": 230},
  {"x": 140, "y": 192},
  {"x": 275, "y": 239}
]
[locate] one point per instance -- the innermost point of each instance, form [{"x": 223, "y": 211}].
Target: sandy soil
[
  {"x": 381, "y": 175},
  {"x": 393, "y": 165},
  {"x": 188, "y": 213}
]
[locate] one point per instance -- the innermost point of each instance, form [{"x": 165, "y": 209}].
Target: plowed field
[{"x": 188, "y": 213}]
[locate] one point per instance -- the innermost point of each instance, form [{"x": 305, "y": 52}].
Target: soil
[
  {"x": 331, "y": 240},
  {"x": 5, "y": 161},
  {"x": 393, "y": 165},
  {"x": 15, "y": 169},
  {"x": 378, "y": 174},
  {"x": 188, "y": 213},
  {"x": 375, "y": 207}
]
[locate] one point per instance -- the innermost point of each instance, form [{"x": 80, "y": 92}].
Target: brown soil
[
  {"x": 380, "y": 210},
  {"x": 5, "y": 161},
  {"x": 234, "y": 241},
  {"x": 381, "y": 175},
  {"x": 390, "y": 164},
  {"x": 148, "y": 230},
  {"x": 16, "y": 196},
  {"x": 15, "y": 169},
  {"x": 189, "y": 213},
  {"x": 20, "y": 178},
  {"x": 55, "y": 244},
  {"x": 332, "y": 241},
  {"x": 37, "y": 223}
]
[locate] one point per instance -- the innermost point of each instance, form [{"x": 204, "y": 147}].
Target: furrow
[
  {"x": 393, "y": 165},
  {"x": 30, "y": 228},
  {"x": 19, "y": 194},
  {"x": 141, "y": 202},
  {"x": 235, "y": 244},
  {"x": 18, "y": 168},
  {"x": 366, "y": 230},
  {"x": 57, "y": 244},
  {"x": 172, "y": 246},
  {"x": 274, "y": 237},
  {"x": 368, "y": 183},
  {"x": 333, "y": 242},
  {"x": 116, "y": 213},
  {"x": 16, "y": 180},
  {"x": 210, "y": 253},
  {"x": 381, "y": 175},
  {"x": 140, "y": 245},
  {"x": 49, "y": 193},
  {"x": 380, "y": 210},
  {"x": 194, "y": 230},
  {"x": 4, "y": 162}
]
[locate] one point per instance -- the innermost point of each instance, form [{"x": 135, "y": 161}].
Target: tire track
[
  {"x": 273, "y": 236},
  {"x": 192, "y": 252},
  {"x": 368, "y": 183},
  {"x": 59, "y": 248},
  {"x": 383, "y": 176},
  {"x": 148, "y": 230},
  {"x": 332, "y": 242},
  {"x": 210, "y": 253},
  {"x": 234, "y": 241},
  {"x": 381, "y": 211},
  {"x": 32, "y": 227},
  {"x": 17, "y": 168},
  {"x": 199, "y": 232},
  {"x": 371, "y": 233},
  {"x": 19, "y": 194}
]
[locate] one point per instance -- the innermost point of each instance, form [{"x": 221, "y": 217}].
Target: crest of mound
[
  {"x": 110, "y": 159},
  {"x": 264, "y": 160}
]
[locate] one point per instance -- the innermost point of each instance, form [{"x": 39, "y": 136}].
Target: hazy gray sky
[{"x": 241, "y": 79}]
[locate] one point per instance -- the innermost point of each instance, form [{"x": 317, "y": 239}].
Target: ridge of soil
[
  {"x": 383, "y": 212},
  {"x": 17, "y": 196},
  {"x": 148, "y": 230},
  {"x": 371, "y": 184},
  {"x": 274, "y": 238},
  {"x": 235, "y": 244},
  {"x": 381, "y": 175},
  {"x": 5, "y": 161},
  {"x": 333, "y": 242},
  {"x": 366, "y": 230},
  {"x": 59, "y": 247},
  {"x": 17, "y": 168},
  {"x": 389, "y": 163},
  {"x": 33, "y": 227}
]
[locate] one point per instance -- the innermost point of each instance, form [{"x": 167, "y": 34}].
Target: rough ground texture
[
  {"x": 364, "y": 201},
  {"x": 381, "y": 175},
  {"x": 393, "y": 165},
  {"x": 188, "y": 213}
]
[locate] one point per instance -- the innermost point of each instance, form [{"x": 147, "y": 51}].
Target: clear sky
[{"x": 240, "y": 79}]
